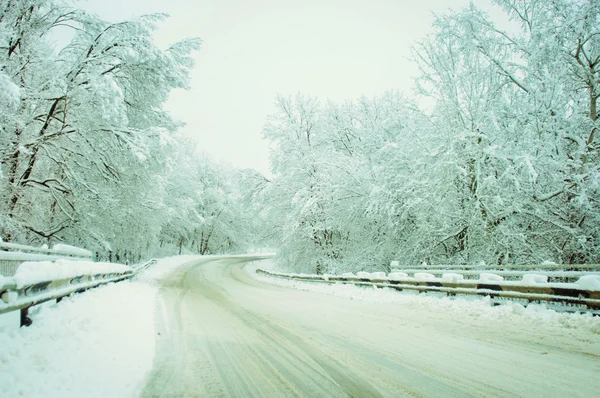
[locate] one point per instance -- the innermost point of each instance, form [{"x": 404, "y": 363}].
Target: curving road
[{"x": 222, "y": 333}]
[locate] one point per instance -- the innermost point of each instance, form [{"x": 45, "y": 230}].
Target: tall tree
[{"x": 88, "y": 126}]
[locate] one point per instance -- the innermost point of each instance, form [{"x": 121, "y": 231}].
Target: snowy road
[{"x": 223, "y": 333}]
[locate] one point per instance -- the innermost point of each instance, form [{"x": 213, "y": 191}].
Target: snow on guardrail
[
  {"x": 581, "y": 295},
  {"x": 33, "y": 289},
  {"x": 58, "y": 249},
  {"x": 35, "y": 282},
  {"x": 32, "y": 272},
  {"x": 551, "y": 273},
  {"x": 71, "y": 250},
  {"x": 13, "y": 254}
]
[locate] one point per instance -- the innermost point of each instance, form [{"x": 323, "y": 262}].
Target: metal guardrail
[
  {"x": 552, "y": 275},
  {"x": 14, "y": 297},
  {"x": 570, "y": 296},
  {"x": 12, "y": 255},
  {"x": 539, "y": 267},
  {"x": 73, "y": 252}
]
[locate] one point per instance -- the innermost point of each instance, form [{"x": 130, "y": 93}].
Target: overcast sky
[{"x": 252, "y": 50}]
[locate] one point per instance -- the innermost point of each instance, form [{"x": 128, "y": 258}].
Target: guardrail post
[{"x": 25, "y": 319}]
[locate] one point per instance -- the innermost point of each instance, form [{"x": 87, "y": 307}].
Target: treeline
[
  {"x": 502, "y": 168},
  {"x": 88, "y": 154}
]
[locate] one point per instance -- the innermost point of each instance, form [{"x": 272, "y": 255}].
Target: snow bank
[
  {"x": 97, "y": 344},
  {"x": 41, "y": 271},
  {"x": 378, "y": 275},
  {"x": 9, "y": 321}
]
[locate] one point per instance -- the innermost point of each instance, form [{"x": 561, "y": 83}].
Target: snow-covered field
[{"x": 97, "y": 344}]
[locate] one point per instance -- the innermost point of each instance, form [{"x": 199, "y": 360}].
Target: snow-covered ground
[
  {"x": 223, "y": 333},
  {"x": 97, "y": 344},
  {"x": 102, "y": 343},
  {"x": 467, "y": 309},
  {"x": 163, "y": 267}
]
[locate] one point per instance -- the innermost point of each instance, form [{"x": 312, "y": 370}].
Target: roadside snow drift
[{"x": 97, "y": 344}]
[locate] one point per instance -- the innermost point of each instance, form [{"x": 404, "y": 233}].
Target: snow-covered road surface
[{"x": 223, "y": 333}]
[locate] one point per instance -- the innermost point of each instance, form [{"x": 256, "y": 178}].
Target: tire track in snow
[
  {"x": 213, "y": 347},
  {"x": 228, "y": 334}
]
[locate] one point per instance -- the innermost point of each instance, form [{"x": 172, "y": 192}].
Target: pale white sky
[{"x": 252, "y": 50}]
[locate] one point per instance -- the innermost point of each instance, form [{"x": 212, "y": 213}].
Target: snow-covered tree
[
  {"x": 84, "y": 130},
  {"x": 501, "y": 167},
  {"x": 532, "y": 163},
  {"x": 325, "y": 199}
]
